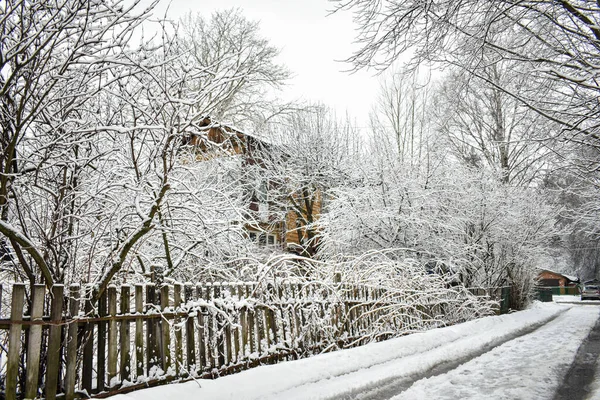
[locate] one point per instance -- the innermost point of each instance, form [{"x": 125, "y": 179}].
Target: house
[
  {"x": 560, "y": 284},
  {"x": 547, "y": 278},
  {"x": 282, "y": 221}
]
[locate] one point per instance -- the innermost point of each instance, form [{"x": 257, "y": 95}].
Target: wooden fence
[{"x": 136, "y": 336}]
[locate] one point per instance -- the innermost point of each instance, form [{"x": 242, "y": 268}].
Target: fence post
[
  {"x": 14, "y": 340},
  {"x": 220, "y": 327},
  {"x": 190, "y": 332},
  {"x": 54, "y": 348},
  {"x": 211, "y": 340},
  {"x": 315, "y": 334},
  {"x": 236, "y": 331},
  {"x": 178, "y": 337},
  {"x": 243, "y": 321},
  {"x": 35, "y": 342},
  {"x": 302, "y": 296},
  {"x": 139, "y": 331},
  {"x": 112, "y": 335},
  {"x": 202, "y": 332},
  {"x": 151, "y": 353},
  {"x": 71, "y": 361},
  {"x": 125, "y": 336},
  {"x": 255, "y": 316},
  {"x": 226, "y": 290},
  {"x": 259, "y": 320},
  {"x": 297, "y": 333},
  {"x": 270, "y": 317},
  {"x": 101, "y": 366},
  {"x": 281, "y": 300},
  {"x": 165, "y": 327}
]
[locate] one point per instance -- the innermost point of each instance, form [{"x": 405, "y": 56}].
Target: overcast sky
[{"x": 310, "y": 40}]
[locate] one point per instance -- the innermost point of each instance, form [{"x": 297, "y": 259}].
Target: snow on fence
[{"x": 60, "y": 343}]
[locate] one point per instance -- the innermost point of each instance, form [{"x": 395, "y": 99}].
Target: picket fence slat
[
  {"x": 54, "y": 342},
  {"x": 178, "y": 335},
  {"x": 151, "y": 340},
  {"x": 190, "y": 342},
  {"x": 71, "y": 360},
  {"x": 139, "y": 331},
  {"x": 202, "y": 333},
  {"x": 165, "y": 330},
  {"x": 101, "y": 357},
  {"x": 34, "y": 345},
  {"x": 88, "y": 349},
  {"x": 112, "y": 336},
  {"x": 14, "y": 340},
  {"x": 125, "y": 335}
]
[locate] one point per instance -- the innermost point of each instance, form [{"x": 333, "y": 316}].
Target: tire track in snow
[
  {"x": 529, "y": 367},
  {"x": 391, "y": 387},
  {"x": 576, "y": 384}
]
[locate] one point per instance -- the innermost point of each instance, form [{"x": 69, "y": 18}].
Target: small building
[{"x": 559, "y": 283}]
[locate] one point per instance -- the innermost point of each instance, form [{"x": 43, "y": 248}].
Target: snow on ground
[
  {"x": 530, "y": 367},
  {"x": 335, "y": 374},
  {"x": 568, "y": 298},
  {"x": 573, "y": 299}
]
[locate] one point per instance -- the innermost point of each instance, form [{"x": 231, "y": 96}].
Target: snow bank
[{"x": 331, "y": 374}]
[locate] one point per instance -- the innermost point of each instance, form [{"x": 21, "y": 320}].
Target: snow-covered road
[
  {"x": 524, "y": 355},
  {"x": 529, "y": 367}
]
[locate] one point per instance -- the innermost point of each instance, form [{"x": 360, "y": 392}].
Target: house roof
[
  {"x": 569, "y": 277},
  {"x": 208, "y": 123}
]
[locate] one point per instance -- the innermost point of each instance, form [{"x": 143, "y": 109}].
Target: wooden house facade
[
  {"x": 548, "y": 278},
  {"x": 286, "y": 223}
]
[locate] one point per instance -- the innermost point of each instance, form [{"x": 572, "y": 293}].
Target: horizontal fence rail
[{"x": 63, "y": 343}]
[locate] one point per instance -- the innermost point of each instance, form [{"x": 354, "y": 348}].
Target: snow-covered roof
[
  {"x": 569, "y": 277},
  {"x": 235, "y": 129}
]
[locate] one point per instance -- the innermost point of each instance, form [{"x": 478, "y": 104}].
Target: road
[
  {"x": 549, "y": 351},
  {"x": 534, "y": 364}
]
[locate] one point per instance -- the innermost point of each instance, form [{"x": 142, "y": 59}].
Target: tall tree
[
  {"x": 55, "y": 59},
  {"x": 486, "y": 128},
  {"x": 554, "y": 43},
  {"x": 95, "y": 172},
  {"x": 231, "y": 49},
  {"x": 309, "y": 156},
  {"x": 400, "y": 116}
]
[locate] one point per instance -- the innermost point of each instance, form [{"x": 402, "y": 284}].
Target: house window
[
  {"x": 262, "y": 191},
  {"x": 262, "y": 238},
  {"x": 263, "y": 212}
]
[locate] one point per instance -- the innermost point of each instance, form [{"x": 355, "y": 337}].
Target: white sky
[{"x": 310, "y": 41}]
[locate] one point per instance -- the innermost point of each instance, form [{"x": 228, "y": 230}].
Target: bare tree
[
  {"x": 401, "y": 113},
  {"x": 96, "y": 179},
  {"x": 554, "y": 43},
  {"x": 486, "y": 128},
  {"x": 231, "y": 50},
  {"x": 54, "y": 60},
  {"x": 309, "y": 155}
]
